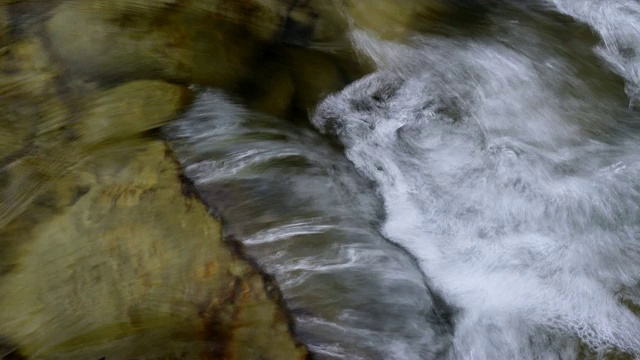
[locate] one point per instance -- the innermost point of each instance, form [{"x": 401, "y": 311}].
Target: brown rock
[
  {"x": 129, "y": 110},
  {"x": 329, "y": 21},
  {"x": 30, "y": 108},
  {"x": 395, "y": 20},
  {"x": 103, "y": 252},
  {"x": 210, "y": 43},
  {"x": 109, "y": 46},
  {"x": 315, "y": 75},
  {"x": 4, "y": 26},
  {"x": 125, "y": 266},
  {"x": 271, "y": 91}
]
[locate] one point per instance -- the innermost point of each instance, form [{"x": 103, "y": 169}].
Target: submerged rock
[
  {"x": 128, "y": 41},
  {"x": 115, "y": 261},
  {"x": 393, "y": 20},
  {"x": 105, "y": 251},
  {"x": 227, "y": 44}
]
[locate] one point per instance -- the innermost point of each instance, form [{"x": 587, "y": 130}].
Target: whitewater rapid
[{"x": 508, "y": 162}]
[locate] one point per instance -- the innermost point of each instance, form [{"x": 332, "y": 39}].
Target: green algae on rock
[
  {"x": 104, "y": 250},
  {"x": 210, "y": 43},
  {"x": 102, "y": 253},
  {"x": 130, "y": 109},
  {"x": 124, "y": 265},
  {"x": 221, "y": 44}
]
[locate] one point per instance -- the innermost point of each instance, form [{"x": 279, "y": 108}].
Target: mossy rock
[
  {"x": 213, "y": 42},
  {"x": 104, "y": 252},
  {"x": 128, "y": 110},
  {"x": 123, "y": 265},
  {"x": 395, "y": 20},
  {"x": 5, "y": 26}
]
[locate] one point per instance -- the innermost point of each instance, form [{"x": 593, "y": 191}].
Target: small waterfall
[
  {"x": 488, "y": 206},
  {"x": 302, "y": 211}
]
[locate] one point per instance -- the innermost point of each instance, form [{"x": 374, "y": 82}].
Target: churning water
[
  {"x": 503, "y": 156},
  {"x": 301, "y": 210}
]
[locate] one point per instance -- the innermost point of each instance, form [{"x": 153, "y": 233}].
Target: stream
[{"x": 476, "y": 197}]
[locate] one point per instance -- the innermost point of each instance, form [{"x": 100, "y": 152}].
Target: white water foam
[
  {"x": 302, "y": 212},
  {"x": 618, "y": 24},
  {"x": 513, "y": 180}
]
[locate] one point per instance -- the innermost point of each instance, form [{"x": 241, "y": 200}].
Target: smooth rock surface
[
  {"x": 105, "y": 251},
  {"x": 115, "y": 261}
]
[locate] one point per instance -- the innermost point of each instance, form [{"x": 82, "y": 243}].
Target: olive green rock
[
  {"x": 391, "y": 19},
  {"x": 122, "y": 43},
  {"x": 31, "y": 113},
  {"x": 315, "y": 75},
  {"x": 115, "y": 261},
  {"x": 211, "y": 42},
  {"x": 4, "y": 26},
  {"x": 220, "y": 43},
  {"x": 128, "y": 110},
  {"x": 387, "y": 19},
  {"x": 105, "y": 252},
  {"x": 272, "y": 91}
]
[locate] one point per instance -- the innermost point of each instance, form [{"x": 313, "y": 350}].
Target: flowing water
[
  {"x": 300, "y": 209},
  {"x": 477, "y": 197}
]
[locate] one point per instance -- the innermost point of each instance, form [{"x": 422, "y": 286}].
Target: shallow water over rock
[
  {"x": 475, "y": 197},
  {"x": 505, "y": 154},
  {"x": 300, "y": 209}
]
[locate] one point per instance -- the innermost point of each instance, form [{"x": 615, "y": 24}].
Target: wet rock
[
  {"x": 30, "y": 108},
  {"x": 226, "y": 44},
  {"x": 130, "y": 109},
  {"x": 219, "y": 43},
  {"x": 291, "y": 81},
  {"x": 262, "y": 18},
  {"x": 104, "y": 48},
  {"x": 325, "y": 25},
  {"x": 273, "y": 90},
  {"x": 315, "y": 76},
  {"x": 4, "y": 27},
  {"x": 393, "y": 20},
  {"x": 48, "y": 123},
  {"x": 104, "y": 252},
  {"x": 330, "y": 22},
  {"x": 212, "y": 42},
  {"x": 126, "y": 267}
]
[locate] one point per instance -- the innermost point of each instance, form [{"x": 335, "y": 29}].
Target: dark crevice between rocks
[
  {"x": 9, "y": 351},
  {"x": 24, "y": 15},
  {"x": 11, "y": 158},
  {"x": 295, "y": 32},
  {"x": 271, "y": 288},
  {"x": 260, "y": 85},
  {"x": 217, "y": 329}
]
